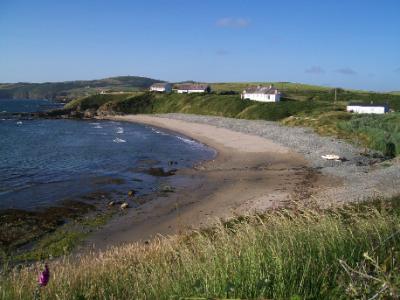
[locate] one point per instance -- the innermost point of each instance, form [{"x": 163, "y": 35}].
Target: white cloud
[
  {"x": 222, "y": 52},
  {"x": 233, "y": 22},
  {"x": 315, "y": 70},
  {"x": 346, "y": 71}
]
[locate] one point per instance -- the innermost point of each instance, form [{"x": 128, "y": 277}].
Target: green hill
[{"x": 68, "y": 90}]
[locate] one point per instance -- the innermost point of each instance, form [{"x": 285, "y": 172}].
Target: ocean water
[{"x": 44, "y": 161}]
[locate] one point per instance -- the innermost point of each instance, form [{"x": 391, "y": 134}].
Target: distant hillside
[
  {"x": 302, "y": 92},
  {"x": 68, "y": 90}
]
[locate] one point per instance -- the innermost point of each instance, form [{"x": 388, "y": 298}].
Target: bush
[{"x": 390, "y": 150}]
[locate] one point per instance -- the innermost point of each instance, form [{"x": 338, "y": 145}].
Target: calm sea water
[{"x": 45, "y": 161}]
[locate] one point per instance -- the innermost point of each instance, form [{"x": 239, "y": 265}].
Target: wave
[
  {"x": 98, "y": 127},
  {"x": 186, "y": 140},
  {"x": 19, "y": 123},
  {"x": 183, "y": 139},
  {"x": 120, "y": 130},
  {"x": 118, "y": 140},
  {"x": 158, "y": 132}
]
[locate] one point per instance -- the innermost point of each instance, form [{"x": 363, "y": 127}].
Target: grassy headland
[
  {"x": 68, "y": 90},
  {"x": 302, "y": 105},
  {"x": 299, "y": 253}
]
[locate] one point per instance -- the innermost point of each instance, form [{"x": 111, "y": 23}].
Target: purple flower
[{"x": 44, "y": 276}]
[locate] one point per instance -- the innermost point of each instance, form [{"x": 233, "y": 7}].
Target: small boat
[{"x": 331, "y": 157}]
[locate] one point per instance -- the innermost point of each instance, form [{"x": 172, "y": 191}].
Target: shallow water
[{"x": 46, "y": 161}]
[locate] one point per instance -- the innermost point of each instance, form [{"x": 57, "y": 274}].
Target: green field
[{"x": 295, "y": 253}]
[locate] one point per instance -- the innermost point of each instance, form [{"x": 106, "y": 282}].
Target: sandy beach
[{"x": 248, "y": 174}]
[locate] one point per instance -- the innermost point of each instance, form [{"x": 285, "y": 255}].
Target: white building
[
  {"x": 192, "y": 88},
  {"x": 360, "y": 108},
  {"x": 162, "y": 87},
  {"x": 262, "y": 94}
]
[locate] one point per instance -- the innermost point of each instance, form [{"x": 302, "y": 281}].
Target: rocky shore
[{"x": 260, "y": 165}]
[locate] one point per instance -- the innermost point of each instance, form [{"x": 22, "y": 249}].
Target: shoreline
[{"x": 248, "y": 174}]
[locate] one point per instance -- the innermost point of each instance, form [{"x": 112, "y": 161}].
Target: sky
[{"x": 342, "y": 43}]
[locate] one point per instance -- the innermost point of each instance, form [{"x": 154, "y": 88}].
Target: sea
[{"x": 46, "y": 161}]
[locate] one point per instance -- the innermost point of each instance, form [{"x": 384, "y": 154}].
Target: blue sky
[{"x": 346, "y": 43}]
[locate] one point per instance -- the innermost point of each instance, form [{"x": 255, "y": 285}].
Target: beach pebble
[
  {"x": 111, "y": 203},
  {"x": 124, "y": 205}
]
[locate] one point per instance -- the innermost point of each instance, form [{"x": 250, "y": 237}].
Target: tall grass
[
  {"x": 276, "y": 255},
  {"x": 372, "y": 131},
  {"x": 377, "y": 130}
]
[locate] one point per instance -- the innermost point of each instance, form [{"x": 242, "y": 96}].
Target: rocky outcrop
[
  {"x": 107, "y": 109},
  {"x": 89, "y": 113}
]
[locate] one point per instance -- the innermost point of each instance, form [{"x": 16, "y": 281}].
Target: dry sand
[{"x": 249, "y": 174}]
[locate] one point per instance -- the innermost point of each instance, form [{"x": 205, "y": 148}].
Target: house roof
[
  {"x": 190, "y": 86},
  {"x": 261, "y": 90},
  {"x": 367, "y": 105},
  {"x": 160, "y": 84}
]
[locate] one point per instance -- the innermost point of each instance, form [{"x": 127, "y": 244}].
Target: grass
[
  {"x": 313, "y": 254},
  {"x": 96, "y": 101},
  {"x": 205, "y": 104},
  {"x": 377, "y": 130},
  {"x": 372, "y": 131}
]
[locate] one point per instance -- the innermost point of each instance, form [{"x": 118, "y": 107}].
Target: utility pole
[{"x": 335, "y": 95}]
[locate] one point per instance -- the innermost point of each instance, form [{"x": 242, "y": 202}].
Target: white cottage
[
  {"x": 162, "y": 87},
  {"x": 192, "y": 88},
  {"x": 262, "y": 94},
  {"x": 360, "y": 108}
]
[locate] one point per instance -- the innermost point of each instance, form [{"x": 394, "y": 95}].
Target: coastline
[{"x": 249, "y": 174}]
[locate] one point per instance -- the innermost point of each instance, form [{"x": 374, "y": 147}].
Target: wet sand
[{"x": 248, "y": 174}]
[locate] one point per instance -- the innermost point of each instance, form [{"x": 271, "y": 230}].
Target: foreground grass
[{"x": 351, "y": 252}]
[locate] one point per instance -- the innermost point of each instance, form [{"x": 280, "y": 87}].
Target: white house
[
  {"x": 262, "y": 94},
  {"x": 360, "y": 108},
  {"x": 188, "y": 88},
  {"x": 162, "y": 87}
]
